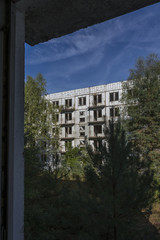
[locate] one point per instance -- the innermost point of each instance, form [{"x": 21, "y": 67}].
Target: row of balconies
[
  {"x": 64, "y": 109},
  {"x": 91, "y": 118},
  {"x": 90, "y": 137},
  {"x": 98, "y": 102},
  {"x": 95, "y": 132},
  {"x": 88, "y": 120}
]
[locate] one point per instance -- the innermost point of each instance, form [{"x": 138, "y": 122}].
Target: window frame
[
  {"x": 114, "y": 96},
  {"x": 68, "y": 102},
  {"x": 68, "y": 116},
  {"x": 68, "y": 130},
  {"x": 82, "y": 101}
]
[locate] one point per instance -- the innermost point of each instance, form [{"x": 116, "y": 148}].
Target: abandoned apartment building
[{"x": 85, "y": 112}]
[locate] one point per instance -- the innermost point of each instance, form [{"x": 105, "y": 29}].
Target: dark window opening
[
  {"x": 97, "y": 129},
  {"x": 111, "y": 97},
  {"x": 114, "y": 96},
  {"x": 68, "y": 102},
  {"x": 82, "y": 101},
  {"x": 68, "y": 130},
  {"x": 97, "y": 99},
  {"x": 114, "y": 112},
  {"x": 97, "y": 114},
  {"x": 82, "y": 119},
  {"x": 68, "y": 116},
  {"x": 82, "y": 134},
  {"x": 55, "y": 103}
]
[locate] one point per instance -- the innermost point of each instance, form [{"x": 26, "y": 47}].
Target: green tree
[
  {"x": 40, "y": 114},
  {"x": 35, "y": 106},
  {"x": 122, "y": 183},
  {"x": 141, "y": 94},
  {"x": 75, "y": 161}
]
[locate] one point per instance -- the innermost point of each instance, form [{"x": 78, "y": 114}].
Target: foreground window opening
[{"x": 80, "y": 161}]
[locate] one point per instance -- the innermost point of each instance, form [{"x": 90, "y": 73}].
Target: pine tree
[
  {"x": 141, "y": 94},
  {"x": 122, "y": 182}
]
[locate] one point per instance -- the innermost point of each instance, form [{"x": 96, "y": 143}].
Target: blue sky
[{"x": 100, "y": 54}]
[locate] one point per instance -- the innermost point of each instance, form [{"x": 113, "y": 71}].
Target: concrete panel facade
[{"x": 88, "y": 114}]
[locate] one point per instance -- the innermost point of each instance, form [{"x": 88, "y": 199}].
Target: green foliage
[
  {"x": 122, "y": 182},
  {"x": 105, "y": 205},
  {"x": 75, "y": 160},
  {"x": 35, "y": 106},
  {"x": 39, "y": 114},
  {"x": 141, "y": 94}
]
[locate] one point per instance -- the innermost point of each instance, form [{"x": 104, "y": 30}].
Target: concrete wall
[{"x": 54, "y": 18}]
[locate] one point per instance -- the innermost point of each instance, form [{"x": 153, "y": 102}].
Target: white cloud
[
  {"x": 129, "y": 28},
  {"x": 66, "y": 71}
]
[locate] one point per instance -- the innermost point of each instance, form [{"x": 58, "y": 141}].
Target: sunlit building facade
[{"x": 84, "y": 113}]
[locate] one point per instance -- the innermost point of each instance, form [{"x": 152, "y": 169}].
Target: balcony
[
  {"x": 67, "y": 138},
  {"x": 97, "y": 121},
  {"x": 66, "y": 108},
  {"x": 67, "y": 123},
  {"x": 96, "y": 106},
  {"x": 96, "y": 137}
]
